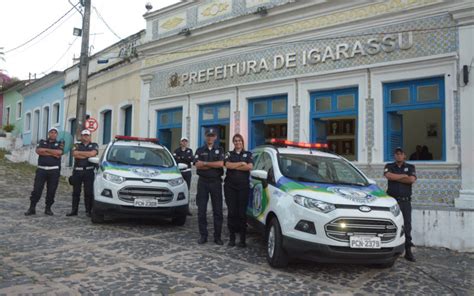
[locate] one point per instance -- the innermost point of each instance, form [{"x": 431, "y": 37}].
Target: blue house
[{"x": 43, "y": 107}]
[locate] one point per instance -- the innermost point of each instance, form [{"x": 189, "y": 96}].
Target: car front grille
[
  {"x": 341, "y": 229},
  {"x": 129, "y": 194}
]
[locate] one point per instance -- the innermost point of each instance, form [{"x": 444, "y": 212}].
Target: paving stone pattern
[{"x": 70, "y": 256}]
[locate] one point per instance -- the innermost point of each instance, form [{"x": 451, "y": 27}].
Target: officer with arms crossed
[
  {"x": 401, "y": 176},
  {"x": 83, "y": 173},
  {"x": 183, "y": 154},
  {"x": 236, "y": 189},
  {"x": 49, "y": 166},
  {"x": 209, "y": 162}
]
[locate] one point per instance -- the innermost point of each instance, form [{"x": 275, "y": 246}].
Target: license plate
[
  {"x": 145, "y": 203},
  {"x": 365, "y": 242}
]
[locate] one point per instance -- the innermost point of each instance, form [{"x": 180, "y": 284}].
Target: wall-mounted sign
[{"x": 305, "y": 58}]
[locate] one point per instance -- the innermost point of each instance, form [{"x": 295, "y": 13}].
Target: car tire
[
  {"x": 276, "y": 255},
  {"x": 179, "y": 220},
  {"x": 96, "y": 217}
]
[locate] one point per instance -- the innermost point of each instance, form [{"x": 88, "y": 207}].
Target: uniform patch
[
  {"x": 245, "y": 155},
  {"x": 406, "y": 169},
  {"x": 217, "y": 151},
  {"x": 386, "y": 170}
]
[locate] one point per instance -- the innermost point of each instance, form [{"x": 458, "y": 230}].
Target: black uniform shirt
[
  {"x": 398, "y": 189},
  {"x": 49, "y": 160},
  {"x": 185, "y": 156},
  {"x": 236, "y": 175},
  {"x": 209, "y": 155},
  {"x": 82, "y": 163}
]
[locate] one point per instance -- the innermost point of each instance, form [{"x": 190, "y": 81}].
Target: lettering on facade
[{"x": 311, "y": 57}]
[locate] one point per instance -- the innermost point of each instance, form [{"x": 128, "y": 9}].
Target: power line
[
  {"x": 62, "y": 56},
  {"x": 42, "y": 32},
  {"x": 105, "y": 23}
]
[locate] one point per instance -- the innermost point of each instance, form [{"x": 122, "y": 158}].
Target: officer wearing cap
[
  {"x": 236, "y": 189},
  {"x": 83, "y": 173},
  {"x": 49, "y": 166},
  {"x": 401, "y": 176},
  {"x": 209, "y": 162},
  {"x": 183, "y": 154}
]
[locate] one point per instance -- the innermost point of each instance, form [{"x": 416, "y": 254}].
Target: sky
[{"x": 21, "y": 20}]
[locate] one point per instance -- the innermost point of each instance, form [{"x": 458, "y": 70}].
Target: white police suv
[
  {"x": 317, "y": 206},
  {"x": 139, "y": 177}
]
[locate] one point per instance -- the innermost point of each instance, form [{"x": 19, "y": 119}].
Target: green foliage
[{"x": 8, "y": 128}]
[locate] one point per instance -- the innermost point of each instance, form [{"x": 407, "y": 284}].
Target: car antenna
[{"x": 306, "y": 136}]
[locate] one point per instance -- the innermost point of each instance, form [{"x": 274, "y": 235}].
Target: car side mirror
[
  {"x": 371, "y": 181},
  {"x": 182, "y": 166},
  {"x": 94, "y": 159},
  {"x": 259, "y": 175}
]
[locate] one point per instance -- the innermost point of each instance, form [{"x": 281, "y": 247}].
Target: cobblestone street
[{"x": 68, "y": 256}]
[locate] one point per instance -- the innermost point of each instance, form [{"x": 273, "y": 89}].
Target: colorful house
[
  {"x": 43, "y": 107},
  {"x": 13, "y": 107}
]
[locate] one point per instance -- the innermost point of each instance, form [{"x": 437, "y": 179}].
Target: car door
[{"x": 259, "y": 190}]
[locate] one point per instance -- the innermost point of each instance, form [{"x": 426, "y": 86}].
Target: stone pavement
[{"x": 70, "y": 256}]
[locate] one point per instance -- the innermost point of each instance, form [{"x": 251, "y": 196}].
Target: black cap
[
  {"x": 211, "y": 131},
  {"x": 399, "y": 149}
]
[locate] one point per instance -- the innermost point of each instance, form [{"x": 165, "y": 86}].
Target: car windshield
[
  {"x": 140, "y": 156},
  {"x": 317, "y": 169}
]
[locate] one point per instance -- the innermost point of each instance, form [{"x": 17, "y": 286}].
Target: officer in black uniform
[
  {"x": 49, "y": 166},
  {"x": 83, "y": 173},
  {"x": 236, "y": 189},
  {"x": 401, "y": 176},
  {"x": 183, "y": 154},
  {"x": 209, "y": 162}
]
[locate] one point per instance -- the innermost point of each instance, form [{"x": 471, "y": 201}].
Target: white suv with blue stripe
[
  {"x": 317, "y": 206},
  {"x": 139, "y": 177}
]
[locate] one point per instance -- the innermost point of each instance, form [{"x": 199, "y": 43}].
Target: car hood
[
  {"x": 338, "y": 194},
  {"x": 132, "y": 171}
]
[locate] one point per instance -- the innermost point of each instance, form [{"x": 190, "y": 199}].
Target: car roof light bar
[
  {"x": 139, "y": 139},
  {"x": 279, "y": 142}
]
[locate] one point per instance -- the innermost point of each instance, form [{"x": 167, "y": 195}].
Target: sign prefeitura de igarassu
[{"x": 286, "y": 59}]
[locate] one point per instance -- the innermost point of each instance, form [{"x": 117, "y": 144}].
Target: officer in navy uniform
[
  {"x": 83, "y": 173},
  {"x": 183, "y": 154},
  {"x": 401, "y": 176},
  {"x": 49, "y": 167},
  {"x": 209, "y": 162},
  {"x": 236, "y": 189}
]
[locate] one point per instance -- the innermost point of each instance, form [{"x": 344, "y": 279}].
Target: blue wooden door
[
  {"x": 395, "y": 133},
  {"x": 107, "y": 127},
  {"x": 128, "y": 121}
]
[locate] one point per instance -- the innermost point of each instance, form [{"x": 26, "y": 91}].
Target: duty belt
[
  {"x": 84, "y": 168},
  {"x": 48, "y": 167},
  {"x": 186, "y": 170},
  {"x": 406, "y": 198}
]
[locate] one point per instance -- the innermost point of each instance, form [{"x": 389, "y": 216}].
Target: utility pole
[{"x": 81, "y": 105}]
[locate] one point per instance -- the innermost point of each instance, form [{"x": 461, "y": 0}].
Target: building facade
[
  {"x": 113, "y": 93},
  {"x": 13, "y": 107},
  {"x": 363, "y": 76},
  {"x": 43, "y": 107}
]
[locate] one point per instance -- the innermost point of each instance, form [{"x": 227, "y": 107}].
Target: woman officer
[{"x": 236, "y": 189}]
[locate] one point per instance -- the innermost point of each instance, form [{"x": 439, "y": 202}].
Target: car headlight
[
  {"x": 113, "y": 178},
  {"x": 395, "y": 210},
  {"x": 314, "y": 204},
  {"x": 176, "y": 182}
]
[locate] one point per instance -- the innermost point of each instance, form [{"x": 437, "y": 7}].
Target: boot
[
  {"x": 31, "y": 210},
  {"x": 242, "y": 243},
  {"x": 73, "y": 212},
  {"x": 409, "y": 255},
  {"x": 48, "y": 211},
  {"x": 231, "y": 240}
]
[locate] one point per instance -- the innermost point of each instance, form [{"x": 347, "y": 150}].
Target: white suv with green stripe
[
  {"x": 317, "y": 206},
  {"x": 139, "y": 177}
]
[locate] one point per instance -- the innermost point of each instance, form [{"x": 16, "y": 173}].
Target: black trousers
[
  {"x": 51, "y": 178},
  {"x": 85, "y": 177},
  {"x": 212, "y": 187},
  {"x": 187, "y": 178},
  {"x": 405, "y": 208},
  {"x": 236, "y": 198}
]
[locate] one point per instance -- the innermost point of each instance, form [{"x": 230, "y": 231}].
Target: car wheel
[
  {"x": 276, "y": 255},
  {"x": 96, "y": 217},
  {"x": 179, "y": 220}
]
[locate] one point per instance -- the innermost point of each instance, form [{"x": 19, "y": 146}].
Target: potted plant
[{"x": 8, "y": 129}]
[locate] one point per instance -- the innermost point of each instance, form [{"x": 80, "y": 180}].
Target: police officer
[
  {"x": 83, "y": 173},
  {"x": 236, "y": 189},
  {"x": 183, "y": 154},
  {"x": 49, "y": 166},
  {"x": 401, "y": 176},
  {"x": 209, "y": 162}
]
